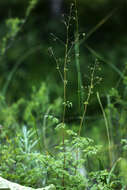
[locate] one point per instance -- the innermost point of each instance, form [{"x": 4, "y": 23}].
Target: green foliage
[
  {"x": 22, "y": 161},
  {"x": 101, "y": 181},
  {"x": 25, "y": 147},
  {"x": 31, "y": 112},
  {"x": 32, "y": 4},
  {"x": 123, "y": 171},
  {"x": 13, "y": 26}
]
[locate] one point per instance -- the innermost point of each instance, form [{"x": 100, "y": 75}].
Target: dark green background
[{"x": 30, "y": 47}]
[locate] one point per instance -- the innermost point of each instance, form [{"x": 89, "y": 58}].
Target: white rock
[{"x": 7, "y": 185}]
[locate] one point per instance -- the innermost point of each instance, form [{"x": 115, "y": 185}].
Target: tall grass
[
  {"x": 107, "y": 129},
  {"x": 77, "y": 59}
]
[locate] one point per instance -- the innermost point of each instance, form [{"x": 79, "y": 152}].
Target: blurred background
[
  {"x": 27, "y": 61},
  {"x": 33, "y": 38}
]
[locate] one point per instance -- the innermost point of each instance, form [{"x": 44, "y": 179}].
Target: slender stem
[
  {"x": 107, "y": 128},
  {"x": 57, "y": 64},
  {"x": 88, "y": 98},
  {"x": 77, "y": 56},
  {"x": 67, "y": 24}
]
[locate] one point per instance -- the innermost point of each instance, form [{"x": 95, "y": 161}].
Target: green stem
[
  {"x": 77, "y": 56},
  {"x": 64, "y": 88},
  {"x": 107, "y": 128}
]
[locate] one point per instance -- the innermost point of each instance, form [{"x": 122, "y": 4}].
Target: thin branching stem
[
  {"x": 67, "y": 24},
  {"x": 90, "y": 88},
  {"x": 57, "y": 65}
]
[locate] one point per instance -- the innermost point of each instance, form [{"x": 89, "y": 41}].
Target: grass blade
[{"x": 107, "y": 127}]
